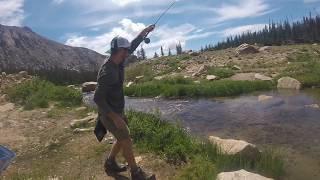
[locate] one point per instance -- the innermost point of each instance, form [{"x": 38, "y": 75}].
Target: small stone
[
  {"x": 7, "y": 107},
  {"x": 197, "y": 82},
  {"x": 235, "y": 67},
  {"x": 139, "y": 77},
  {"x": 79, "y": 130},
  {"x": 81, "y": 109},
  {"x": 23, "y": 74},
  {"x": 264, "y": 98},
  {"x": 159, "y": 78},
  {"x": 240, "y": 175},
  {"x": 138, "y": 159},
  {"x": 211, "y": 77}
]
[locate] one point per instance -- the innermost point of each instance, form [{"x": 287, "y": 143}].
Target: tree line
[
  {"x": 306, "y": 30},
  {"x": 141, "y": 53}
]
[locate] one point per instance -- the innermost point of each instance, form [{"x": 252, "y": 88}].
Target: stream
[{"x": 285, "y": 122}]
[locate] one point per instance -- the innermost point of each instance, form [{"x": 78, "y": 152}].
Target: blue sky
[{"x": 93, "y": 23}]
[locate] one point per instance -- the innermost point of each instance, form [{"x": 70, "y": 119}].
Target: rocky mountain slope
[{"x": 23, "y": 49}]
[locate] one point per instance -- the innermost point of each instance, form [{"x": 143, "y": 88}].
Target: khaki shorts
[{"x": 119, "y": 134}]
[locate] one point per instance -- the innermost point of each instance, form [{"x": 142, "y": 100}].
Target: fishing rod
[{"x": 145, "y": 38}]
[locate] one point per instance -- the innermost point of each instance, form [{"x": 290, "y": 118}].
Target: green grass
[
  {"x": 221, "y": 72},
  {"x": 179, "y": 87},
  {"x": 203, "y": 160},
  {"x": 304, "y": 67},
  {"x": 136, "y": 70},
  {"x": 38, "y": 93}
]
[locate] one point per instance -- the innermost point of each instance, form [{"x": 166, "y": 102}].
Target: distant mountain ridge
[{"x": 23, "y": 49}]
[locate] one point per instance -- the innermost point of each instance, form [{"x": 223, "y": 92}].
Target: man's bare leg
[
  {"x": 116, "y": 148},
  {"x": 127, "y": 150}
]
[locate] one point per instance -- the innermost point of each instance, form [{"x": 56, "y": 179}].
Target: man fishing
[{"x": 109, "y": 98}]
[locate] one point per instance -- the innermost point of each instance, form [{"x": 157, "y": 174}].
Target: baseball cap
[{"x": 120, "y": 42}]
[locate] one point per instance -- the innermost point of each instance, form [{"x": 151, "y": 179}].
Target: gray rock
[
  {"x": 211, "y": 77},
  {"x": 236, "y": 147},
  {"x": 246, "y": 49},
  {"x": 89, "y": 86},
  {"x": 262, "y": 77},
  {"x": 235, "y": 67},
  {"x": 240, "y": 175},
  {"x": 264, "y": 98},
  {"x": 82, "y": 130},
  {"x": 314, "y": 106},
  {"x": 7, "y": 107},
  {"x": 288, "y": 83}
]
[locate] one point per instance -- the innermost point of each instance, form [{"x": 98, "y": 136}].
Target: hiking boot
[
  {"x": 111, "y": 167},
  {"x": 139, "y": 174}
]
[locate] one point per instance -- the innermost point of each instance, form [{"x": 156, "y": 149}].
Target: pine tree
[
  {"x": 179, "y": 48},
  {"x": 162, "y": 53},
  {"x": 143, "y": 54},
  {"x": 155, "y": 55}
]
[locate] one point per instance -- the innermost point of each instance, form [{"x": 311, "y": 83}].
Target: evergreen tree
[
  {"x": 169, "y": 53},
  {"x": 155, "y": 55},
  {"x": 143, "y": 54},
  {"x": 162, "y": 53},
  {"x": 179, "y": 48},
  {"x": 306, "y": 30}
]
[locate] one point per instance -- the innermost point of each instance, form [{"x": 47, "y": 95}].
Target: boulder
[
  {"x": 194, "y": 53},
  {"x": 265, "y": 48},
  {"x": 288, "y": 83},
  {"x": 211, "y": 77},
  {"x": 235, "y": 67},
  {"x": 315, "y": 44},
  {"x": 23, "y": 74},
  {"x": 246, "y": 49},
  {"x": 200, "y": 71},
  {"x": 262, "y": 77},
  {"x": 240, "y": 175},
  {"x": 3, "y": 74},
  {"x": 89, "y": 86},
  {"x": 4, "y": 98},
  {"x": 264, "y": 98},
  {"x": 7, "y": 107},
  {"x": 236, "y": 147}
]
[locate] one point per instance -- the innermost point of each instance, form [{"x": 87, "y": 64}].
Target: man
[{"x": 109, "y": 98}]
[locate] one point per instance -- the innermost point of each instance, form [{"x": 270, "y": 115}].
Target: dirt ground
[{"x": 47, "y": 148}]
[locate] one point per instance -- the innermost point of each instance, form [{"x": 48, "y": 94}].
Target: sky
[{"x": 194, "y": 23}]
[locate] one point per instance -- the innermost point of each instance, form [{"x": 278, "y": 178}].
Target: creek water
[{"x": 285, "y": 122}]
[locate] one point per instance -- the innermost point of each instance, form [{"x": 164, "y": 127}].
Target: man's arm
[{"x": 136, "y": 42}]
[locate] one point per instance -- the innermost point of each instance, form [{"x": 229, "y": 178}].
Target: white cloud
[
  {"x": 249, "y": 8},
  {"x": 243, "y": 29},
  {"x": 164, "y": 36},
  {"x": 11, "y": 12},
  {"x": 311, "y": 1},
  {"x": 58, "y": 1}
]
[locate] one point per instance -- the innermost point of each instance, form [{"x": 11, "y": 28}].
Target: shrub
[{"x": 38, "y": 93}]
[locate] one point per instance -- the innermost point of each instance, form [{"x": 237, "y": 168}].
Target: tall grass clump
[
  {"x": 38, "y": 93},
  {"x": 200, "y": 158},
  {"x": 187, "y": 88},
  {"x": 221, "y": 72},
  {"x": 304, "y": 67},
  {"x": 136, "y": 70}
]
